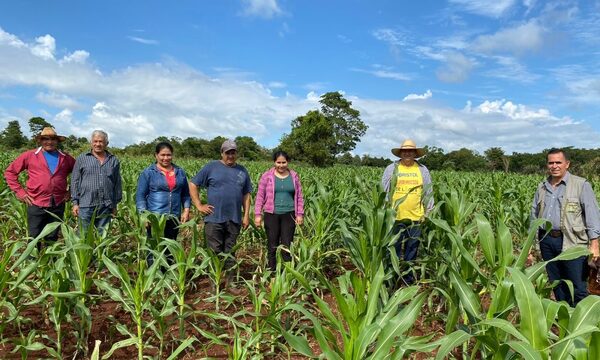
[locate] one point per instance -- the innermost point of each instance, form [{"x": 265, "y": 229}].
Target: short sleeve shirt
[{"x": 226, "y": 187}]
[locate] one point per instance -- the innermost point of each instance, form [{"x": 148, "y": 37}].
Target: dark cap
[{"x": 228, "y": 145}]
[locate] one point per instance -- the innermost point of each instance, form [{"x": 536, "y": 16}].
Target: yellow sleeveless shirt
[{"x": 409, "y": 193}]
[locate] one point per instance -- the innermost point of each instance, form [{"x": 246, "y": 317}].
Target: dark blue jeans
[
  {"x": 575, "y": 270},
  {"x": 103, "y": 216},
  {"x": 408, "y": 244}
]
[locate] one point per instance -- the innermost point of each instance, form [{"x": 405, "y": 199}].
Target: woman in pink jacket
[{"x": 279, "y": 195}]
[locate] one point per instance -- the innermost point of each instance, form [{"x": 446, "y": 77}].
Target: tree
[
  {"x": 12, "y": 137},
  {"x": 464, "y": 160},
  {"x": 347, "y": 125},
  {"x": 248, "y": 149},
  {"x": 36, "y": 125},
  {"x": 496, "y": 159},
  {"x": 319, "y": 136},
  {"x": 311, "y": 139}
]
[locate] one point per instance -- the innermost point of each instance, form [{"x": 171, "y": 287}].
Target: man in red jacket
[{"x": 46, "y": 188}]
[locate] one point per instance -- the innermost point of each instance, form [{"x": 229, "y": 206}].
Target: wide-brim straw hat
[
  {"x": 408, "y": 144},
  {"x": 50, "y": 132}
]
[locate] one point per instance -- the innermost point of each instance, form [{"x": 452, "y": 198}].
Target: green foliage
[
  {"x": 319, "y": 136},
  {"x": 12, "y": 137}
]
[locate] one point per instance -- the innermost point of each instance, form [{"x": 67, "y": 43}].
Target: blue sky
[{"x": 519, "y": 74}]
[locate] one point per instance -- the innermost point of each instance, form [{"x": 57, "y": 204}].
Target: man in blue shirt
[{"x": 228, "y": 191}]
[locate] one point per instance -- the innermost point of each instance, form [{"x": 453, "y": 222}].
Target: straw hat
[
  {"x": 49, "y": 132},
  {"x": 408, "y": 144}
]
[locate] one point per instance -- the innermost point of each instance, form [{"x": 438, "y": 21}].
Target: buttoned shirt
[
  {"x": 94, "y": 183},
  {"x": 553, "y": 200}
]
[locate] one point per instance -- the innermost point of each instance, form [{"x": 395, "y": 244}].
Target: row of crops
[{"x": 94, "y": 296}]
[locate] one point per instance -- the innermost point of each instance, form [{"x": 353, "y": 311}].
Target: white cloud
[
  {"x": 143, "y": 40},
  {"x": 44, "y": 47},
  {"x": 511, "y": 69},
  {"x": 384, "y": 74},
  {"x": 514, "y": 127},
  {"x": 59, "y": 101},
  {"x": 142, "y": 102},
  {"x": 394, "y": 38},
  {"x": 78, "y": 56},
  {"x": 277, "y": 85},
  {"x": 522, "y": 39},
  {"x": 261, "y": 8},
  {"x": 494, "y": 9},
  {"x": 456, "y": 68},
  {"x": 425, "y": 96}
]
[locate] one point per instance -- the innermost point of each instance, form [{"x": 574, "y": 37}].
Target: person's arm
[
  {"x": 141, "y": 194},
  {"x": 259, "y": 200},
  {"x": 186, "y": 200},
  {"x": 387, "y": 176},
  {"x": 592, "y": 218},
  {"x": 118, "y": 186},
  {"x": 246, "y": 207},
  {"x": 75, "y": 186},
  {"x": 428, "y": 189},
  {"x": 300, "y": 209},
  {"x": 205, "y": 209},
  {"x": 11, "y": 174}
]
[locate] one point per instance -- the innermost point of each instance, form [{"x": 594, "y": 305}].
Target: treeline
[{"x": 323, "y": 137}]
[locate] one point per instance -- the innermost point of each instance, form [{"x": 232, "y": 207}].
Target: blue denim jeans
[
  {"x": 101, "y": 221},
  {"x": 575, "y": 270},
  {"x": 407, "y": 245}
]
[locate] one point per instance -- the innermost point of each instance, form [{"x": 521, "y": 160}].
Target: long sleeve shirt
[
  {"x": 44, "y": 187},
  {"x": 95, "y": 184}
]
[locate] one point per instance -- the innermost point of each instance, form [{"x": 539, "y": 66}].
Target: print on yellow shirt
[{"x": 409, "y": 192}]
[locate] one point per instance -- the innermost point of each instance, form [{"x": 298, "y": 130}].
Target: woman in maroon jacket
[{"x": 279, "y": 195}]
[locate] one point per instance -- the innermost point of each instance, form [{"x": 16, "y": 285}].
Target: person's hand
[
  {"x": 206, "y": 209},
  {"x": 75, "y": 210},
  {"x": 299, "y": 220},
  {"x": 258, "y": 221},
  {"x": 185, "y": 215},
  {"x": 595, "y": 250},
  {"x": 245, "y": 222},
  {"x": 27, "y": 199},
  {"x": 530, "y": 258}
]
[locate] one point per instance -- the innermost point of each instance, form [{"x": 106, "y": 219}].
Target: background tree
[
  {"x": 12, "y": 137},
  {"x": 465, "y": 160},
  {"x": 319, "y": 136},
  {"x": 248, "y": 149},
  {"x": 311, "y": 139},
  {"x": 495, "y": 158},
  {"x": 347, "y": 125},
  {"x": 36, "y": 125}
]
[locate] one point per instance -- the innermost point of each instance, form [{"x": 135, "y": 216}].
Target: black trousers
[
  {"x": 280, "y": 230},
  {"x": 221, "y": 238},
  {"x": 38, "y": 217}
]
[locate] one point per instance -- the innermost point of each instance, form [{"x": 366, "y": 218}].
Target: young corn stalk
[{"x": 136, "y": 296}]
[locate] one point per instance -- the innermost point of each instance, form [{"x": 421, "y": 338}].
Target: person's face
[
  {"x": 408, "y": 154},
  {"x": 49, "y": 143},
  {"x": 164, "y": 157},
  {"x": 281, "y": 164},
  {"x": 229, "y": 157},
  {"x": 557, "y": 165},
  {"x": 99, "y": 144}
]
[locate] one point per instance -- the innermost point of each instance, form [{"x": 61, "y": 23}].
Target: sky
[{"x": 522, "y": 75}]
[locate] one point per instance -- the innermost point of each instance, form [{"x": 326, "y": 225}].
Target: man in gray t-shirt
[{"x": 228, "y": 187}]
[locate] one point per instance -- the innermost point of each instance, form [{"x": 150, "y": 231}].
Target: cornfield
[{"x": 94, "y": 296}]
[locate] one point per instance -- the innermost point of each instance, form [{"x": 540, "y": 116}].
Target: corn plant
[
  {"x": 136, "y": 297},
  {"x": 369, "y": 328}
]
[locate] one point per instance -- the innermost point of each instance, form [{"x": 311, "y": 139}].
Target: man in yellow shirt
[{"x": 408, "y": 184}]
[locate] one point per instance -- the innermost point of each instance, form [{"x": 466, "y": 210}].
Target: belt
[{"x": 555, "y": 233}]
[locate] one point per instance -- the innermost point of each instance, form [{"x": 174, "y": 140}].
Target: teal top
[{"x": 284, "y": 195}]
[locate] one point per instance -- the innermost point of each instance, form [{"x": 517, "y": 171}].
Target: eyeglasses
[{"x": 43, "y": 138}]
